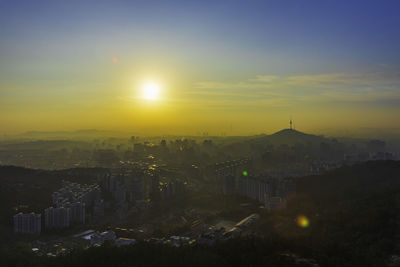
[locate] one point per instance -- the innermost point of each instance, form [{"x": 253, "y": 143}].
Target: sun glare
[{"x": 151, "y": 91}]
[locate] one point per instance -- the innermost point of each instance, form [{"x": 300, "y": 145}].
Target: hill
[
  {"x": 290, "y": 137},
  {"x": 259, "y": 144},
  {"x": 352, "y": 214}
]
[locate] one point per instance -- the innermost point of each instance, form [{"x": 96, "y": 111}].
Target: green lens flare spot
[
  {"x": 302, "y": 221},
  {"x": 244, "y": 173}
]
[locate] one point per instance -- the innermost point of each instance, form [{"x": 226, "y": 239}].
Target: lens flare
[
  {"x": 245, "y": 173},
  {"x": 302, "y": 221}
]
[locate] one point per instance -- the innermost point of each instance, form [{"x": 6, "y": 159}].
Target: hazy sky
[{"x": 238, "y": 67}]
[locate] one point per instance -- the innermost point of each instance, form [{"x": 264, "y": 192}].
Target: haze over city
[
  {"x": 200, "y": 133},
  {"x": 234, "y": 68}
]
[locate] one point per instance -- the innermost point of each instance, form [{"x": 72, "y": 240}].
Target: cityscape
[
  {"x": 156, "y": 195},
  {"x": 199, "y": 133}
]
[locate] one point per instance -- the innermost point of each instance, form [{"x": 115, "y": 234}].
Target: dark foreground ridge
[{"x": 354, "y": 221}]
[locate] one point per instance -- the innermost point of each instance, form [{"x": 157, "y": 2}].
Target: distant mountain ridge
[
  {"x": 61, "y": 132},
  {"x": 84, "y": 133}
]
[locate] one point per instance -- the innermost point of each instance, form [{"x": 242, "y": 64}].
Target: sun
[{"x": 151, "y": 91}]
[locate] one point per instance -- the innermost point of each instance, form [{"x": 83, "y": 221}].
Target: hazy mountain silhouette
[
  {"x": 290, "y": 137},
  {"x": 84, "y": 133}
]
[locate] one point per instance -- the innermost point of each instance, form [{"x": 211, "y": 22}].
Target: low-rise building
[{"x": 99, "y": 238}]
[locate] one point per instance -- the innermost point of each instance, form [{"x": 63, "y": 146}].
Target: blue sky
[{"x": 323, "y": 35}]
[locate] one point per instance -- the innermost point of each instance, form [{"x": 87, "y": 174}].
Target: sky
[{"x": 222, "y": 67}]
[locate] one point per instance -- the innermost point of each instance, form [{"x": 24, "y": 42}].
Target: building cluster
[
  {"x": 268, "y": 190},
  {"x": 135, "y": 186},
  {"x": 365, "y": 156},
  {"x": 221, "y": 234},
  {"x": 231, "y": 168},
  {"x": 321, "y": 166},
  {"x": 73, "y": 192},
  {"x": 125, "y": 186},
  {"x": 165, "y": 188},
  {"x": 175, "y": 241},
  {"x": 69, "y": 207},
  {"x": 171, "y": 189},
  {"x": 69, "y": 204}
]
